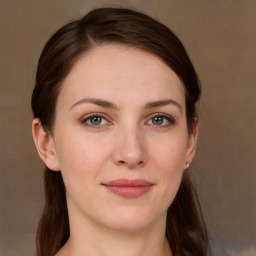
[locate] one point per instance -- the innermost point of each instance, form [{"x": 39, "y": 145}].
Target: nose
[{"x": 130, "y": 150}]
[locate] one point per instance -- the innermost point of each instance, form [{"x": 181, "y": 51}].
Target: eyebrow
[
  {"x": 99, "y": 102},
  {"x": 160, "y": 103},
  {"x": 107, "y": 104}
]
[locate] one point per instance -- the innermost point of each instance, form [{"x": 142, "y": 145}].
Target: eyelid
[
  {"x": 170, "y": 119},
  {"x": 83, "y": 119},
  {"x": 98, "y": 114}
]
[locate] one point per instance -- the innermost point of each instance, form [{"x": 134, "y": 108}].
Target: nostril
[{"x": 121, "y": 162}]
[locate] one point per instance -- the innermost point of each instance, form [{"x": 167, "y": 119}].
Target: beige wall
[{"x": 220, "y": 37}]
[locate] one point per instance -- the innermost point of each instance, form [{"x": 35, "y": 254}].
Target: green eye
[
  {"x": 161, "y": 120},
  {"x": 158, "y": 120},
  {"x": 95, "y": 120}
]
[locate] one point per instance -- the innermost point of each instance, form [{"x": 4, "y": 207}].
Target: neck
[{"x": 89, "y": 239}]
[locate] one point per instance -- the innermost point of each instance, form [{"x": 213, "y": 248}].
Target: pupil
[
  {"x": 96, "y": 120},
  {"x": 158, "y": 120}
]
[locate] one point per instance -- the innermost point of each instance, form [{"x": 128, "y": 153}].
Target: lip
[{"x": 129, "y": 188}]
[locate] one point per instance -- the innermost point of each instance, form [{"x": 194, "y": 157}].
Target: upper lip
[{"x": 128, "y": 183}]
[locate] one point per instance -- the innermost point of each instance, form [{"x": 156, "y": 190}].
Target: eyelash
[
  {"x": 170, "y": 120},
  {"x": 86, "y": 119}
]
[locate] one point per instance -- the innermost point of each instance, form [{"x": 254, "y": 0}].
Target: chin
[{"x": 133, "y": 219}]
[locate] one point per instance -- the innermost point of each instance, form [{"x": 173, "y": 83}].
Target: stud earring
[{"x": 187, "y": 166}]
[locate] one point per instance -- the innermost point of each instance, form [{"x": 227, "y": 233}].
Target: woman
[{"x": 115, "y": 122}]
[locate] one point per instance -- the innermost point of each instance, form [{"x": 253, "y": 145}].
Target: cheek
[
  {"x": 79, "y": 156},
  {"x": 170, "y": 154},
  {"x": 78, "y": 166},
  {"x": 169, "y": 158}
]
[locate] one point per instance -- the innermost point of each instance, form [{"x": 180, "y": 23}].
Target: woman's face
[{"x": 120, "y": 138}]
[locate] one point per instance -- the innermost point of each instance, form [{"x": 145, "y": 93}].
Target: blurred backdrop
[{"x": 220, "y": 37}]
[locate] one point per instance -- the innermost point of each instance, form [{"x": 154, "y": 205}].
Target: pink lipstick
[{"x": 129, "y": 188}]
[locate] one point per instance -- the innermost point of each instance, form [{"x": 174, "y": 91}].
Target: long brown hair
[{"x": 185, "y": 228}]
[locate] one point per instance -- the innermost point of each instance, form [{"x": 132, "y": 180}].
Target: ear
[
  {"x": 192, "y": 143},
  {"x": 45, "y": 145}
]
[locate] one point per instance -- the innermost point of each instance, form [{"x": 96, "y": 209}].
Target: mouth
[{"x": 129, "y": 188}]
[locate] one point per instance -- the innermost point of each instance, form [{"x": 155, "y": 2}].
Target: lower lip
[{"x": 130, "y": 191}]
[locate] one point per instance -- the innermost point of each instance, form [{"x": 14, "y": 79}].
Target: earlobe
[
  {"x": 45, "y": 145},
  {"x": 192, "y": 144}
]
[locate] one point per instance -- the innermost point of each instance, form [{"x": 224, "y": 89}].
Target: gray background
[{"x": 220, "y": 37}]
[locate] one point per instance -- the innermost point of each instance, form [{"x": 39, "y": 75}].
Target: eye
[
  {"x": 94, "y": 120},
  {"x": 161, "y": 120}
]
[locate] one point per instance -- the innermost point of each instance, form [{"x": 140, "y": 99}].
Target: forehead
[{"x": 114, "y": 70}]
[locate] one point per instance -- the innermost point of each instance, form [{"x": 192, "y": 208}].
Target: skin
[{"x": 126, "y": 142}]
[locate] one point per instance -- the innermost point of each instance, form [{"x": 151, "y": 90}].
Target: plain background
[{"x": 220, "y": 37}]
